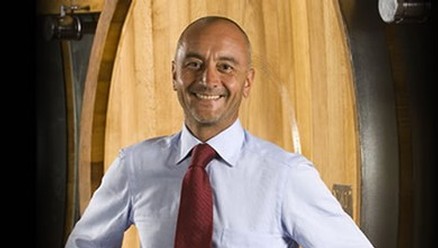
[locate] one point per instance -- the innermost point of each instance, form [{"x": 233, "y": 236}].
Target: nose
[{"x": 210, "y": 76}]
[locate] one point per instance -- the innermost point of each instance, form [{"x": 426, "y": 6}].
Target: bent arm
[
  {"x": 107, "y": 216},
  {"x": 312, "y": 215}
]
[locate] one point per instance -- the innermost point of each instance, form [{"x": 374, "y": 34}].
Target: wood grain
[{"x": 95, "y": 99}]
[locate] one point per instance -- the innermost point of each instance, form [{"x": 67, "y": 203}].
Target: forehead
[
  {"x": 215, "y": 36},
  {"x": 213, "y": 27}
]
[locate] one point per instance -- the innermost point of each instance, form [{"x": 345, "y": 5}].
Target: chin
[{"x": 206, "y": 120}]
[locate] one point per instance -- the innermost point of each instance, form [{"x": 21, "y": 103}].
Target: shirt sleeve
[
  {"x": 311, "y": 214},
  {"x": 107, "y": 215}
]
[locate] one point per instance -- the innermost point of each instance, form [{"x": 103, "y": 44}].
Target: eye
[
  {"x": 225, "y": 67},
  {"x": 193, "y": 65}
]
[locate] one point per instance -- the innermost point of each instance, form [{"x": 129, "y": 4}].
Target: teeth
[{"x": 206, "y": 97}]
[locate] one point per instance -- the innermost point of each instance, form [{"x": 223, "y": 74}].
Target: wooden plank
[
  {"x": 93, "y": 116},
  {"x": 71, "y": 138}
]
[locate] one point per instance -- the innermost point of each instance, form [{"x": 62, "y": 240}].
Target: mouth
[{"x": 207, "y": 97}]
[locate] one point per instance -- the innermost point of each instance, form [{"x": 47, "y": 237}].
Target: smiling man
[
  {"x": 256, "y": 194},
  {"x": 211, "y": 73}
]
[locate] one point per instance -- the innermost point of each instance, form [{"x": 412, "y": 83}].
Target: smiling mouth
[{"x": 207, "y": 97}]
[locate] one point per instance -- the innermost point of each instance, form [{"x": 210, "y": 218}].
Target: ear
[
  {"x": 248, "y": 82},
  {"x": 173, "y": 75}
]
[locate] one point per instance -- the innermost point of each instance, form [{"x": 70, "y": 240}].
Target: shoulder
[
  {"x": 151, "y": 145},
  {"x": 273, "y": 153},
  {"x": 138, "y": 159}
]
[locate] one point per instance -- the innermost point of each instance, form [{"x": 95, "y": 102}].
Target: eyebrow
[
  {"x": 193, "y": 55},
  {"x": 221, "y": 58}
]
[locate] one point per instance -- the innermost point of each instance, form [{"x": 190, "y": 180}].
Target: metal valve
[{"x": 68, "y": 25}]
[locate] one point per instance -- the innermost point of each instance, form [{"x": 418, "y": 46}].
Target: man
[{"x": 263, "y": 196}]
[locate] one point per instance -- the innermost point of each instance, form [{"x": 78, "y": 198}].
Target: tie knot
[{"x": 202, "y": 154}]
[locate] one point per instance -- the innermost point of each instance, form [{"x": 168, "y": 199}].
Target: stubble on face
[{"x": 211, "y": 96}]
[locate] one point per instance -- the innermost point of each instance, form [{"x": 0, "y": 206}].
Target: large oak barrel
[{"x": 303, "y": 98}]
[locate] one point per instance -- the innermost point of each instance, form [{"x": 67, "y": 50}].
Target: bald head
[{"x": 208, "y": 21}]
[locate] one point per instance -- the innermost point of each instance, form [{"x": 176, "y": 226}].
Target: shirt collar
[{"x": 227, "y": 143}]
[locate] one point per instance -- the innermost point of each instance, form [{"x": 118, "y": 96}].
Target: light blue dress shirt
[{"x": 264, "y": 197}]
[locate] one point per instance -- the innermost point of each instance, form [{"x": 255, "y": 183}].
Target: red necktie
[{"x": 195, "y": 218}]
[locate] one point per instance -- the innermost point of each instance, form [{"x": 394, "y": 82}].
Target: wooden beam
[{"x": 95, "y": 101}]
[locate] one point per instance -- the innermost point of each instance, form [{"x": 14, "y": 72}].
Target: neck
[{"x": 204, "y": 132}]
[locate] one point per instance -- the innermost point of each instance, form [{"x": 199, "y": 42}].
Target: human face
[{"x": 211, "y": 74}]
